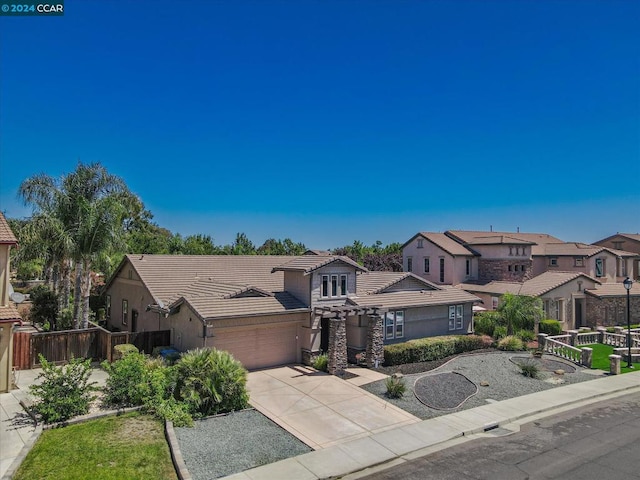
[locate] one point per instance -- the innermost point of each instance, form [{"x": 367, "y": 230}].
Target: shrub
[
  {"x": 526, "y": 335},
  {"x": 125, "y": 348},
  {"x": 127, "y": 376},
  {"x": 64, "y": 392},
  {"x": 432, "y": 348},
  {"x": 484, "y": 323},
  {"x": 44, "y": 306},
  {"x": 529, "y": 369},
  {"x": 211, "y": 381},
  {"x": 321, "y": 362},
  {"x": 510, "y": 343},
  {"x": 499, "y": 332},
  {"x": 395, "y": 386},
  {"x": 550, "y": 327}
]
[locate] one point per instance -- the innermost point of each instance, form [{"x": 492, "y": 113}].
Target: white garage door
[{"x": 260, "y": 347}]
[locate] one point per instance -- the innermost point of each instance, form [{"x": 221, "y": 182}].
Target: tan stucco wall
[
  {"x": 6, "y": 356},
  {"x": 332, "y": 269},
  {"x": 4, "y": 274},
  {"x": 298, "y": 285},
  {"x": 454, "y": 266},
  {"x": 138, "y": 298},
  {"x": 567, "y": 264}
]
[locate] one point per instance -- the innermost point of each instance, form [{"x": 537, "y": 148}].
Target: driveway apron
[{"x": 320, "y": 409}]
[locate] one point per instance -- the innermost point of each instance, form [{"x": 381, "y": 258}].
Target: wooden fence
[{"x": 95, "y": 343}]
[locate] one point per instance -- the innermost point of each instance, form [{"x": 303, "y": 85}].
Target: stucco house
[
  {"x": 629, "y": 242},
  {"x": 9, "y": 316},
  {"x": 563, "y": 295},
  {"x": 458, "y": 256},
  {"x": 271, "y": 310},
  {"x": 607, "y": 304}
]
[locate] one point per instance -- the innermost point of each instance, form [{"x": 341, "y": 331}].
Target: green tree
[
  {"x": 198, "y": 245},
  {"x": 520, "y": 312}
]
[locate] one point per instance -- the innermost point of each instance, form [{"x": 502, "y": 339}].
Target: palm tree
[
  {"x": 90, "y": 207},
  {"x": 520, "y": 311}
]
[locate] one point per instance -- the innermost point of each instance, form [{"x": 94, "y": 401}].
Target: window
[
  {"x": 517, "y": 251},
  {"x": 578, "y": 262},
  {"x": 455, "y": 317},
  {"x": 125, "y": 311},
  {"x": 510, "y": 251},
  {"x": 409, "y": 264},
  {"x": 441, "y": 270},
  {"x": 394, "y": 324},
  {"x": 333, "y": 286},
  {"x": 130, "y": 274},
  {"x": 427, "y": 265},
  {"x": 107, "y": 306},
  {"x": 524, "y": 251},
  {"x": 468, "y": 267},
  {"x": 617, "y": 245},
  {"x": 622, "y": 270},
  {"x": 420, "y": 243},
  {"x": 522, "y": 268},
  {"x": 510, "y": 267},
  {"x": 599, "y": 267},
  {"x": 553, "y": 261}
]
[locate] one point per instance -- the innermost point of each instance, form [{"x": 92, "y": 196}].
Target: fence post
[
  {"x": 586, "y": 357},
  {"x": 601, "y": 332},
  {"x": 573, "y": 339},
  {"x": 614, "y": 364},
  {"x": 542, "y": 341}
]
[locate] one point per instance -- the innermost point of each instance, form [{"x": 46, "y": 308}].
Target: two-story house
[
  {"x": 272, "y": 310},
  {"x": 9, "y": 316},
  {"x": 628, "y": 242}
]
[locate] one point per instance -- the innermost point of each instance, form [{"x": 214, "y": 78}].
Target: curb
[{"x": 176, "y": 454}]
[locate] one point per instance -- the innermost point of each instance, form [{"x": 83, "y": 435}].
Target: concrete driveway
[{"x": 320, "y": 409}]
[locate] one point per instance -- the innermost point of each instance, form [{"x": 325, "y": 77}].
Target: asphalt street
[{"x": 598, "y": 442}]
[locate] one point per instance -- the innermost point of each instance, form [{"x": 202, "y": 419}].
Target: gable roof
[
  {"x": 416, "y": 298},
  {"x": 580, "y": 249},
  {"x": 631, "y": 236},
  {"x": 534, "y": 287},
  {"x": 446, "y": 243},
  {"x": 6, "y": 235},
  {"x": 309, "y": 263},
  {"x": 376, "y": 282},
  {"x": 470, "y": 237},
  {"x": 166, "y": 276},
  {"x": 614, "y": 290},
  {"x": 9, "y": 314}
]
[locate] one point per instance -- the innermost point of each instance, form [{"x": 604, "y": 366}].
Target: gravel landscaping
[
  {"x": 496, "y": 376},
  {"x": 459, "y": 389},
  {"x": 227, "y": 444}
]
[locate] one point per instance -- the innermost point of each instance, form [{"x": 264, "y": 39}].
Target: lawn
[
  {"x": 600, "y": 358},
  {"x": 130, "y": 446}
]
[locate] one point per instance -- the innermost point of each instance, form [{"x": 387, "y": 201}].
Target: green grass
[
  {"x": 600, "y": 358},
  {"x": 130, "y": 446}
]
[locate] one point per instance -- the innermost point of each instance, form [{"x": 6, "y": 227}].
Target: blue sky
[{"x": 329, "y": 121}]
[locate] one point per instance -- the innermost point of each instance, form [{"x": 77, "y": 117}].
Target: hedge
[
  {"x": 550, "y": 327},
  {"x": 433, "y": 348}
]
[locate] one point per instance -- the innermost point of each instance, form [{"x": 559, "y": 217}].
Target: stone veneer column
[
  {"x": 375, "y": 341},
  {"x": 337, "y": 353}
]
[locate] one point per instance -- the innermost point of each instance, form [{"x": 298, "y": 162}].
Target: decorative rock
[
  {"x": 484, "y": 383},
  {"x": 559, "y": 371}
]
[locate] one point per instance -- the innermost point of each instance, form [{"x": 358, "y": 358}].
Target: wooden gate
[{"x": 22, "y": 350}]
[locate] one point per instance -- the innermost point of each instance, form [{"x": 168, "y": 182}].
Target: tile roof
[
  {"x": 309, "y": 263},
  {"x": 447, "y": 243},
  {"x": 538, "y": 285},
  {"x": 6, "y": 235},
  {"x": 8, "y": 313},
  {"x": 215, "y": 307},
  {"x": 374, "y": 282},
  {"x": 166, "y": 276},
  {"x": 416, "y": 298},
  {"x": 504, "y": 238},
  {"x": 614, "y": 290},
  {"x": 630, "y": 236},
  {"x": 580, "y": 249}
]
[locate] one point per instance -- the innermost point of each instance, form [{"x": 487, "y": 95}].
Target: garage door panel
[{"x": 260, "y": 347}]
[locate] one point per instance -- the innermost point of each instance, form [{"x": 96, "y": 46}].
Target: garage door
[{"x": 260, "y": 347}]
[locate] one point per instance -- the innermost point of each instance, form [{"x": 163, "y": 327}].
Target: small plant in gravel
[
  {"x": 511, "y": 344},
  {"x": 65, "y": 391},
  {"x": 529, "y": 369},
  {"x": 321, "y": 362},
  {"x": 395, "y": 386}
]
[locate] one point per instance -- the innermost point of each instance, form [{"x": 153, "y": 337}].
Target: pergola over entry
[{"x": 337, "y": 348}]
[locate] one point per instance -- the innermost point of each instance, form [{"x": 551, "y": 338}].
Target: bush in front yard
[
  {"x": 321, "y": 362},
  {"x": 526, "y": 335},
  {"x": 484, "y": 323},
  {"x": 550, "y": 327},
  {"x": 64, "y": 392},
  {"x": 211, "y": 381},
  {"x": 511, "y": 343},
  {"x": 125, "y": 386},
  {"x": 432, "y": 348}
]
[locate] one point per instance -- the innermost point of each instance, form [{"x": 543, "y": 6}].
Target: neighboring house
[
  {"x": 271, "y": 310},
  {"x": 8, "y": 313},
  {"x": 605, "y": 264},
  {"x": 607, "y": 304},
  {"x": 628, "y": 242},
  {"x": 563, "y": 295},
  {"x": 461, "y": 256}
]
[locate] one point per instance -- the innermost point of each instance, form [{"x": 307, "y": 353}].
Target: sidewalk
[
  {"x": 17, "y": 428},
  {"x": 419, "y": 439}
]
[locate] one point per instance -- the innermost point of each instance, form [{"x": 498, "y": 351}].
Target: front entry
[
  {"x": 578, "y": 312},
  {"x": 324, "y": 335}
]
